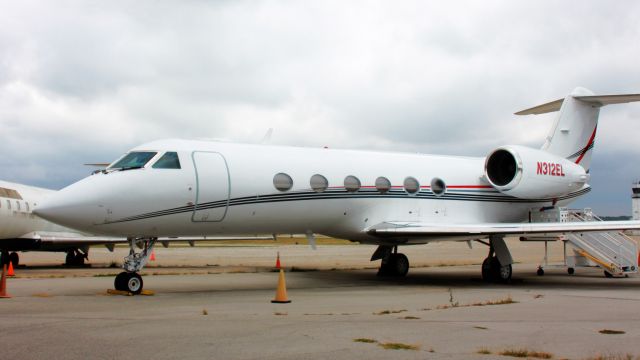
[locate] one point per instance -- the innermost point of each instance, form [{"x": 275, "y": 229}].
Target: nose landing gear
[{"x": 129, "y": 280}]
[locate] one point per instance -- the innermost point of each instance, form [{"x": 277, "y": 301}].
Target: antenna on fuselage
[{"x": 267, "y": 137}]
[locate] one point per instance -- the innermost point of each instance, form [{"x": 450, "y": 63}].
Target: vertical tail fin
[{"x": 574, "y": 130}]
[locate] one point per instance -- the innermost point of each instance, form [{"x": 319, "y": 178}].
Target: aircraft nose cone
[{"x": 71, "y": 207}]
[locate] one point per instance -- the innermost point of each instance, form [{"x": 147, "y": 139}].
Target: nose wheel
[{"x": 131, "y": 282}]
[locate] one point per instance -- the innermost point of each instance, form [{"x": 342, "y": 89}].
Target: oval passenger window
[
  {"x": 411, "y": 185},
  {"x": 383, "y": 184},
  {"x": 282, "y": 182},
  {"x": 319, "y": 183},
  {"x": 352, "y": 183},
  {"x": 438, "y": 186}
]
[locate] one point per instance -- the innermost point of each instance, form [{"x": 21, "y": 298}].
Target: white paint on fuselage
[{"x": 100, "y": 202}]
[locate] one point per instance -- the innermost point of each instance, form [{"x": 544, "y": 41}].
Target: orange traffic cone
[
  {"x": 3, "y": 284},
  {"x": 278, "y": 261},
  {"x": 281, "y": 291},
  {"x": 10, "y": 272},
  {"x": 153, "y": 256}
]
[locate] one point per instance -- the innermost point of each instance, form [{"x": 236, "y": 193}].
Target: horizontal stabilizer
[
  {"x": 600, "y": 100},
  {"x": 542, "y": 109}
]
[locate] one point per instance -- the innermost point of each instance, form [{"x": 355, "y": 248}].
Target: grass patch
[
  {"x": 538, "y": 296},
  {"x": 387, "y": 312},
  {"x": 205, "y": 312},
  {"x": 398, "y": 346},
  {"x": 524, "y": 353},
  {"x": 480, "y": 327},
  {"x": 503, "y": 301},
  {"x": 455, "y": 304},
  {"x": 614, "y": 357},
  {"x": 365, "y": 340},
  {"x": 611, "y": 332},
  {"x": 411, "y": 318},
  {"x": 104, "y": 275},
  {"x": 484, "y": 351},
  {"x": 42, "y": 295},
  {"x": 280, "y": 313}
]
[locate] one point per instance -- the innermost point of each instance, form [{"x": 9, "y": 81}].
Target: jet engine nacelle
[{"x": 532, "y": 174}]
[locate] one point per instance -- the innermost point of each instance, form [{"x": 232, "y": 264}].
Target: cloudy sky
[{"x": 83, "y": 81}]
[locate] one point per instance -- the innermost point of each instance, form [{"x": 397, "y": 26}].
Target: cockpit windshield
[{"x": 133, "y": 160}]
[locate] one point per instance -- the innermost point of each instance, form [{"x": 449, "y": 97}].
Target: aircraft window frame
[
  {"x": 411, "y": 185},
  {"x": 18, "y": 205},
  {"x": 9, "y": 204},
  {"x": 282, "y": 182},
  {"x": 383, "y": 185},
  {"x": 318, "y": 183},
  {"x": 26, "y": 206},
  {"x": 147, "y": 157},
  {"x": 352, "y": 183},
  {"x": 163, "y": 161},
  {"x": 438, "y": 186}
]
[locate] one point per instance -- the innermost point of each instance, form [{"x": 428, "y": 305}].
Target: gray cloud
[{"x": 84, "y": 81}]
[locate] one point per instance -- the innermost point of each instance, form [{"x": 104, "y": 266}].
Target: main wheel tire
[
  {"x": 540, "y": 271},
  {"x": 571, "y": 270},
  {"x": 78, "y": 259},
  {"x": 120, "y": 281},
  {"x": 486, "y": 270},
  {"x": 134, "y": 283},
  {"x": 15, "y": 259},
  {"x": 504, "y": 273},
  {"x": 608, "y": 274},
  {"x": 399, "y": 265},
  {"x": 68, "y": 260}
]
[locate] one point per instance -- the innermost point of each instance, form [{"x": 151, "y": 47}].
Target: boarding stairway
[{"x": 613, "y": 251}]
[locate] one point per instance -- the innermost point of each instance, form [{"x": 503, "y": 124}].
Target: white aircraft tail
[{"x": 573, "y": 133}]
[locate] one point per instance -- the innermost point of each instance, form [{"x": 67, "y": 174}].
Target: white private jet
[{"x": 185, "y": 188}]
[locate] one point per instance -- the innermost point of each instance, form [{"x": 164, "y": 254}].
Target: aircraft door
[{"x": 212, "y": 186}]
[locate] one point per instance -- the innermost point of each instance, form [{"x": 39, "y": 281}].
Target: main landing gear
[
  {"x": 129, "y": 280},
  {"x": 496, "y": 267},
  {"x": 76, "y": 257},
  {"x": 6, "y": 258},
  {"x": 393, "y": 263}
]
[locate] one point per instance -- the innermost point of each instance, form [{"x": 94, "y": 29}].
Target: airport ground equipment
[
  {"x": 612, "y": 251},
  {"x": 635, "y": 204}
]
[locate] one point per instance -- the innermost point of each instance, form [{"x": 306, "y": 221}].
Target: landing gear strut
[
  {"x": 496, "y": 267},
  {"x": 129, "y": 280},
  {"x": 393, "y": 263}
]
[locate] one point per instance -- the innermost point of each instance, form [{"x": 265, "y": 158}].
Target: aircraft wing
[
  {"x": 70, "y": 238},
  {"x": 412, "y": 229},
  {"x": 78, "y": 239}
]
